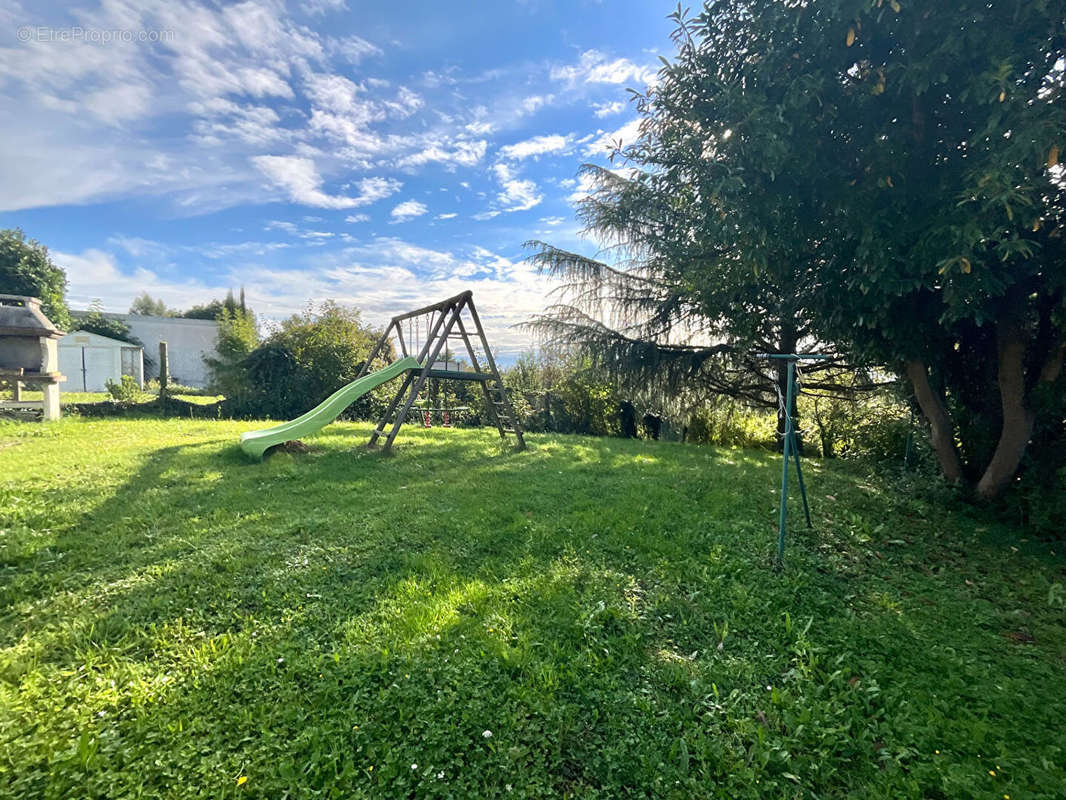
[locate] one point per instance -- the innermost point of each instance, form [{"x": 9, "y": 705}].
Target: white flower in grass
[
  {"x": 487, "y": 734},
  {"x": 440, "y": 775}
]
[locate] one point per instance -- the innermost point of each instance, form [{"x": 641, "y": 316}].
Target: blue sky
[{"x": 384, "y": 155}]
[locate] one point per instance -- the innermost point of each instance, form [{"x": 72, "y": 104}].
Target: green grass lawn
[
  {"x": 70, "y": 398},
  {"x": 589, "y": 618}
]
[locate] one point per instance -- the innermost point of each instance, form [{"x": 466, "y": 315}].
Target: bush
[
  {"x": 308, "y": 357},
  {"x": 125, "y": 391},
  {"x": 731, "y": 423}
]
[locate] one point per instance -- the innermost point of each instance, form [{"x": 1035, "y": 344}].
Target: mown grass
[
  {"x": 73, "y": 398},
  {"x": 590, "y": 618}
]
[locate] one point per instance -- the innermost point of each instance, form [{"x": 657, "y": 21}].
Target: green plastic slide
[{"x": 255, "y": 443}]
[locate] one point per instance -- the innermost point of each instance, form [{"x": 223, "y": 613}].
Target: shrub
[
  {"x": 305, "y": 359},
  {"x": 731, "y": 423},
  {"x": 125, "y": 391}
]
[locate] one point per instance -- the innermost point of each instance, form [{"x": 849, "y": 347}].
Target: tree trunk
[
  {"x": 1018, "y": 419},
  {"x": 942, "y": 432}
]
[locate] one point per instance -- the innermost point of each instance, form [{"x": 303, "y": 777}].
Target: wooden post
[
  {"x": 164, "y": 374},
  {"x": 18, "y": 395}
]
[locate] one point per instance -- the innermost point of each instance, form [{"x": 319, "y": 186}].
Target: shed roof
[{"x": 95, "y": 340}]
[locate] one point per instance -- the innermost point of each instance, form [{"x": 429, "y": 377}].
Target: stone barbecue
[{"x": 28, "y": 354}]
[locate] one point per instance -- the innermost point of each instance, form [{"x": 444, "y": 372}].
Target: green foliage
[
  {"x": 305, "y": 359},
  {"x": 145, "y": 305},
  {"x": 238, "y": 336},
  {"x": 96, "y": 322},
  {"x": 179, "y": 389},
  {"x": 912, "y": 149},
  {"x": 125, "y": 391},
  {"x": 210, "y": 310},
  {"x": 585, "y": 401},
  {"x": 213, "y": 310},
  {"x": 605, "y": 608},
  {"x": 27, "y": 269},
  {"x": 878, "y": 176},
  {"x": 550, "y": 392},
  {"x": 731, "y": 423}
]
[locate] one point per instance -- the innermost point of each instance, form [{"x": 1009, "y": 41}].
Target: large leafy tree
[
  {"x": 935, "y": 134},
  {"x": 27, "y": 269},
  {"x": 887, "y": 173}
]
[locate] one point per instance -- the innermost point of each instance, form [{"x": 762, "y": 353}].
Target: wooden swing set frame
[{"x": 446, "y": 323}]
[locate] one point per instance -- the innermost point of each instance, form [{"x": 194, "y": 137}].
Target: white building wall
[
  {"x": 89, "y": 361},
  {"x": 188, "y": 341}
]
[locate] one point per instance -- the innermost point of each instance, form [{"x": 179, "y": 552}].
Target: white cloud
[
  {"x": 535, "y": 102},
  {"x": 449, "y": 215},
  {"x": 120, "y": 103},
  {"x": 538, "y": 145},
  {"x": 384, "y": 277},
  {"x": 596, "y": 67},
  {"x": 94, "y": 274},
  {"x": 354, "y": 48},
  {"x": 585, "y": 184},
  {"x": 223, "y": 119},
  {"x": 319, "y": 7},
  {"x": 503, "y": 172},
  {"x": 354, "y": 218},
  {"x": 605, "y": 142},
  {"x": 338, "y": 96},
  {"x": 479, "y": 128},
  {"x": 462, "y": 153},
  {"x": 299, "y": 177},
  {"x": 408, "y": 209},
  {"x": 404, "y": 104},
  {"x": 519, "y": 195},
  {"x": 607, "y": 109}
]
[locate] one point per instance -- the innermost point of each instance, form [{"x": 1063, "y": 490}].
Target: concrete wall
[{"x": 188, "y": 341}]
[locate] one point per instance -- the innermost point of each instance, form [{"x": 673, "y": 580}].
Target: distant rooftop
[{"x": 128, "y": 317}]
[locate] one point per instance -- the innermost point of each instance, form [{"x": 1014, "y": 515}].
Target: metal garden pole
[
  {"x": 791, "y": 447},
  {"x": 791, "y": 367}
]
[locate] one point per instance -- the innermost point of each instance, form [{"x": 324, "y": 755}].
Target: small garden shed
[{"x": 89, "y": 361}]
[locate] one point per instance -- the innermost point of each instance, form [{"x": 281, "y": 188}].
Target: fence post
[{"x": 164, "y": 375}]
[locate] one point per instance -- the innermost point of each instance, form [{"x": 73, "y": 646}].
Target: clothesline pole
[{"x": 790, "y": 447}]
